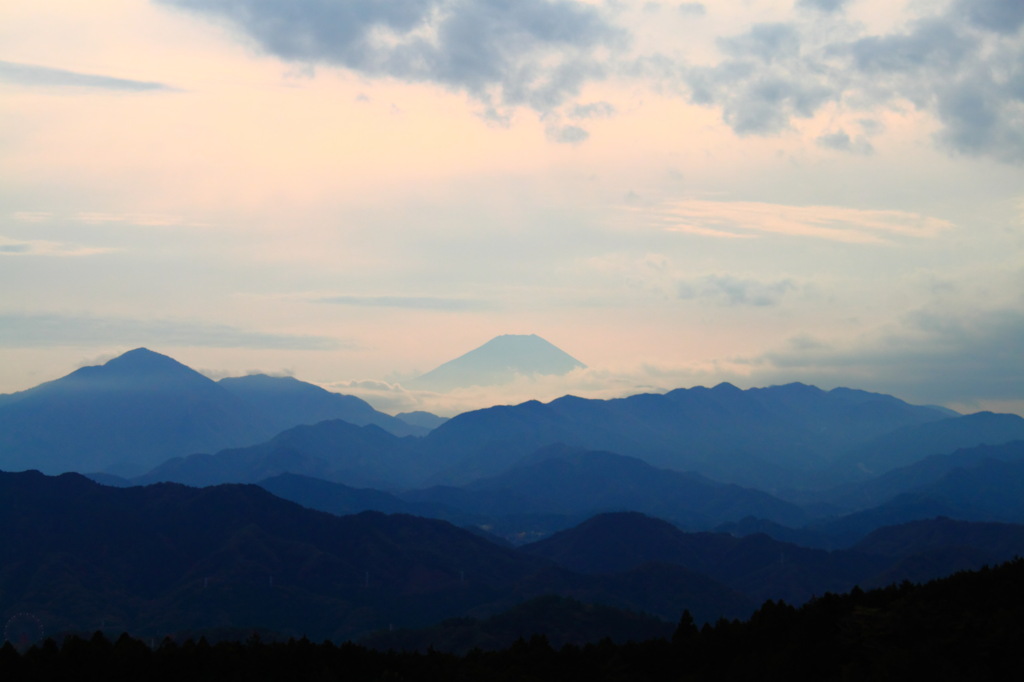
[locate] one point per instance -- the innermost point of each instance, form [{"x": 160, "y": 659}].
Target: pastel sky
[{"x": 353, "y": 192}]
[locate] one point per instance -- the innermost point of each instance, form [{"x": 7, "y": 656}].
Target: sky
[{"x": 675, "y": 193}]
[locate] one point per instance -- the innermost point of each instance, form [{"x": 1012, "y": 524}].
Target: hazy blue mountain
[
  {"x": 139, "y": 409},
  {"x": 125, "y": 416},
  {"x": 284, "y": 402},
  {"x": 991, "y": 490},
  {"x": 573, "y": 484},
  {"x": 914, "y": 442},
  {"x": 499, "y": 361},
  {"x": 876, "y": 491},
  {"x": 766, "y": 438},
  {"x": 359, "y": 456},
  {"x": 424, "y": 420}
]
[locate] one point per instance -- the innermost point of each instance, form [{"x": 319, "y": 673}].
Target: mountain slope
[
  {"x": 125, "y": 416},
  {"x": 766, "y": 438},
  {"x": 163, "y": 558},
  {"x": 284, "y": 402},
  {"x": 139, "y": 409},
  {"x": 574, "y": 483}
]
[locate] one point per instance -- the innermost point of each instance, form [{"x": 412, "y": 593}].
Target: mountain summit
[{"x": 497, "y": 362}]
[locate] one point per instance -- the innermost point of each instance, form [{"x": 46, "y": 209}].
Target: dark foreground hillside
[{"x": 965, "y": 627}]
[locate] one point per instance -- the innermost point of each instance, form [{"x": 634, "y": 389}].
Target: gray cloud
[
  {"x": 936, "y": 357},
  {"x": 963, "y": 65},
  {"x": 569, "y": 134},
  {"x": 764, "y": 83},
  {"x": 765, "y": 42},
  {"x": 734, "y": 291},
  {"x": 592, "y": 110},
  {"x": 693, "y": 9},
  {"x": 504, "y": 53},
  {"x": 973, "y": 82},
  {"x": 43, "y": 76},
  {"x": 413, "y": 302},
  {"x": 841, "y": 141},
  {"x": 827, "y": 6},
  {"x": 1001, "y": 16},
  {"x": 33, "y": 331}
]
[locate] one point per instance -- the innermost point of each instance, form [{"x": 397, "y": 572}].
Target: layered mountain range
[
  {"x": 166, "y": 558},
  {"x": 708, "y": 499}
]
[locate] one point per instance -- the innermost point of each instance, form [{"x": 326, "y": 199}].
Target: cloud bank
[
  {"x": 43, "y": 76},
  {"x": 503, "y": 53}
]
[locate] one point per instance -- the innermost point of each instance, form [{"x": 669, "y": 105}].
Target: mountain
[
  {"x": 497, "y": 362},
  {"x": 284, "y": 402},
  {"x": 991, "y": 490},
  {"x": 125, "y": 416},
  {"x": 424, "y": 420},
  {"x": 764, "y": 568},
  {"x": 755, "y": 565},
  {"x": 574, "y": 484},
  {"x": 166, "y": 558},
  {"x": 876, "y": 491},
  {"x": 359, "y": 456},
  {"x": 768, "y": 438},
  {"x": 913, "y": 442},
  {"x": 139, "y": 409}
]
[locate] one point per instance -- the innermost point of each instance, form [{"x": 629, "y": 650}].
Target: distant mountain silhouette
[
  {"x": 772, "y": 439},
  {"x": 497, "y": 362},
  {"x": 876, "y": 491},
  {"x": 425, "y": 420},
  {"x": 781, "y": 436},
  {"x": 125, "y": 416},
  {"x": 285, "y": 402},
  {"x": 335, "y": 450},
  {"x": 142, "y": 408},
  {"x": 573, "y": 483},
  {"x": 764, "y": 568},
  {"x": 914, "y": 442}
]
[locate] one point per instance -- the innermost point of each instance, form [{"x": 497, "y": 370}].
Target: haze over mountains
[{"x": 711, "y": 499}]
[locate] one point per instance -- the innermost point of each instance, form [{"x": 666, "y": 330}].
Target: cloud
[
  {"x": 567, "y": 134},
  {"x": 44, "y": 76},
  {"x": 48, "y": 330},
  {"x": 934, "y": 356},
  {"x": 38, "y": 247},
  {"x": 592, "y": 110},
  {"x": 827, "y": 6},
  {"x": 412, "y": 302},
  {"x": 504, "y": 53},
  {"x": 960, "y": 64},
  {"x": 1000, "y": 16},
  {"x": 734, "y": 291},
  {"x": 737, "y": 219},
  {"x": 841, "y": 141},
  {"x": 692, "y": 9},
  {"x": 764, "y": 82}
]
